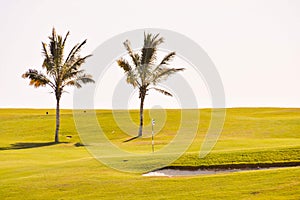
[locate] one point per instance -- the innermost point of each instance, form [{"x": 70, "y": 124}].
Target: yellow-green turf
[{"x": 32, "y": 167}]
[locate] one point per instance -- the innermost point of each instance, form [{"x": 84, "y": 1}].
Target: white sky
[{"x": 255, "y": 45}]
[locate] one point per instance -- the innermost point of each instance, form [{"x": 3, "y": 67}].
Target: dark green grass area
[
  {"x": 33, "y": 167},
  {"x": 263, "y": 158}
]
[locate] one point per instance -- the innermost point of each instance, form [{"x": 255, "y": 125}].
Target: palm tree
[
  {"x": 145, "y": 74},
  {"x": 60, "y": 72}
]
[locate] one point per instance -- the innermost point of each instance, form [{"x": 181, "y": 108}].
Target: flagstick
[{"x": 153, "y": 123}]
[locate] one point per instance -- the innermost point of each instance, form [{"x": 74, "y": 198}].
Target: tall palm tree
[
  {"x": 145, "y": 74},
  {"x": 60, "y": 72}
]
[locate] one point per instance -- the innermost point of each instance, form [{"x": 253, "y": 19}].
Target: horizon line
[{"x": 44, "y": 108}]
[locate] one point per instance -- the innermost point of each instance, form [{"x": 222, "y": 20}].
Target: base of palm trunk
[{"x": 140, "y": 134}]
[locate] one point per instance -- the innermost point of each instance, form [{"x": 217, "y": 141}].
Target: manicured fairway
[{"x": 31, "y": 167}]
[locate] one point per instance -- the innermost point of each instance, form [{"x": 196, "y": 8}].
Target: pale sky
[{"x": 254, "y": 44}]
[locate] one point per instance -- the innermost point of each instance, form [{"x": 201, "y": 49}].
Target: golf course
[
  {"x": 34, "y": 167},
  {"x": 150, "y": 100}
]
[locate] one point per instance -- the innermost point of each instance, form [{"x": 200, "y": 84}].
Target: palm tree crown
[{"x": 59, "y": 72}]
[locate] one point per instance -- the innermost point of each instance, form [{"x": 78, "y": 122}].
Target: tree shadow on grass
[
  {"x": 130, "y": 139},
  {"x": 28, "y": 145}
]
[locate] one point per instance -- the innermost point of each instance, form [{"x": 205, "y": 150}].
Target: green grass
[{"x": 33, "y": 168}]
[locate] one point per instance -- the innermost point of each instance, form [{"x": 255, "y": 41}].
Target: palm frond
[
  {"x": 124, "y": 65},
  {"x": 167, "y": 58},
  {"x": 156, "y": 40},
  {"x": 73, "y": 83},
  {"x": 162, "y": 65},
  {"x": 134, "y": 56},
  {"x": 48, "y": 62},
  {"x": 163, "y": 91},
  {"x": 86, "y": 78},
  {"x": 64, "y": 42},
  {"x": 132, "y": 79},
  {"x": 70, "y": 69},
  {"x": 131, "y": 75},
  {"x": 75, "y": 50},
  {"x": 53, "y": 44},
  {"x": 149, "y": 48},
  {"x": 56, "y": 51},
  {"x": 75, "y": 63},
  {"x": 37, "y": 79},
  {"x": 164, "y": 73},
  {"x": 145, "y": 71},
  {"x": 77, "y": 81},
  {"x": 71, "y": 52},
  {"x": 71, "y": 73},
  {"x": 148, "y": 55}
]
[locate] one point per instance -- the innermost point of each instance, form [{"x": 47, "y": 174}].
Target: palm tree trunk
[
  {"x": 141, "y": 115},
  {"x": 57, "y": 121}
]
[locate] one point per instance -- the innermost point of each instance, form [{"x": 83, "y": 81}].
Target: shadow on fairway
[
  {"x": 130, "y": 139},
  {"x": 28, "y": 145}
]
